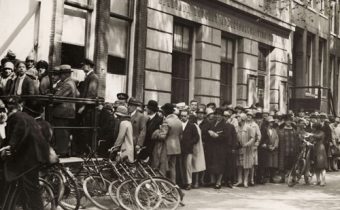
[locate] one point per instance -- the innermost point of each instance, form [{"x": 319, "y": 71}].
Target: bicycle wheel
[
  {"x": 55, "y": 179},
  {"x": 113, "y": 191},
  {"x": 47, "y": 195},
  {"x": 157, "y": 193},
  {"x": 125, "y": 195},
  {"x": 71, "y": 196},
  {"x": 96, "y": 190}
]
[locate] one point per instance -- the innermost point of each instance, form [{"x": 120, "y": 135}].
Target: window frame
[
  {"x": 129, "y": 20},
  {"x": 187, "y": 53},
  {"x": 231, "y": 62}
]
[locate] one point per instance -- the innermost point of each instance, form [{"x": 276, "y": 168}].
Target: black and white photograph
[{"x": 169, "y": 104}]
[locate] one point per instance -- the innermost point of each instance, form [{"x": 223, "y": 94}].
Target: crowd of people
[
  {"x": 204, "y": 145},
  {"x": 194, "y": 145}
]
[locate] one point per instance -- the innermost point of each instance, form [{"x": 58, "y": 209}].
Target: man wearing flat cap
[
  {"x": 63, "y": 112},
  {"x": 138, "y": 120},
  {"x": 153, "y": 123},
  {"x": 122, "y": 97},
  {"x": 328, "y": 137}
]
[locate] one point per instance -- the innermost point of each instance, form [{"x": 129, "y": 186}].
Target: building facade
[{"x": 240, "y": 52}]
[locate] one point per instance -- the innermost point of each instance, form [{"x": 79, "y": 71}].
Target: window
[
  {"x": 181, "y": 58},
  {"x": 252, "y": 96},
  {"x": 308, "y": 70},
  {"x": 262, "y": 59},
  {"x": 332, "y": 15},
  {"x": 227, "y": 64},
  {"x": 283, "y": 97},
  {"x": 117, "y": 52},
  {"x": 260, "y": 90},
  {"x": 323, "y": 71},
  {"x": 118, "y": 35},
  {"x": 73, "y": 36}
]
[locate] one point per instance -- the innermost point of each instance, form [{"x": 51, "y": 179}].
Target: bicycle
[
  {"x": 302, "y": 166},
  {"x": 13, "y": 198}
]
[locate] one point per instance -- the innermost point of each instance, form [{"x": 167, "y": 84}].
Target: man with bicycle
[{"x": 26, "y": 150}]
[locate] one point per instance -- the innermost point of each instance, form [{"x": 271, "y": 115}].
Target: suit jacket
[
  {"x": 172, "y": 131},
  {"x": 90, "y": 86},
  {"x": 28, "y": 145},
  {"x": 67, "y": 88},
  {"x": 28, "y": 87},
  {"x": 151, "y": 125},
  {"x": 231, "y": 137},
  {"x": 189, "y": 139},
  {"x": 138, "y": 121}
]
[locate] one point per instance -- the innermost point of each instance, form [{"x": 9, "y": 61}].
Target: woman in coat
[
  {"x": 125, "y": 138},
  {"x": 245, "y": 159},
  {"x": 320, "y": 156},
  {"x": 216, "y": 149},
  {"x": 272, "y": 148}
]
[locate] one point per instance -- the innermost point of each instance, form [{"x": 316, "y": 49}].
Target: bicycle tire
[
  {"x": 71, "y": 196},
  {"x": 96, "y": 189},
  {"x": 55, "y": 179},
  {"x": 47, "y": 196},
  {"x": 125, "y": 197},
  {"x": 113, "y": 191},
  {"x": 157, "y": 188}
]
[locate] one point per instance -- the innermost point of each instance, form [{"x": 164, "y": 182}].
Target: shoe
[
  {"x": 238, "y": 184},
  {"x": 251, "y": 184},
  {"x": 245, "y": 185},
  {"x": 229, "y": 185},
  {"x": 195, "y": 186},
  {"x": 217, "y": 186},
  {"x": 188, "y": 187}
]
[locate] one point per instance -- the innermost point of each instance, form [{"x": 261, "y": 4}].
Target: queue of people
[{"x": 194, "y": 146}]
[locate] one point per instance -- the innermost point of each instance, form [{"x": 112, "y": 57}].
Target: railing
[
  {"x": 311, "y": 98},
  {"x": 50, "y": 100}
]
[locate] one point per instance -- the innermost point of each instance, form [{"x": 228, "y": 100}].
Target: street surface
[{"x": 268, "y": 196}]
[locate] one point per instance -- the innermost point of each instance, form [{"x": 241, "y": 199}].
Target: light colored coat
[
  {"x": 138, "y": 121},
  {"x": 198, "y": 158},
  {"x": 125, "y": 140},
  {"x": 172, "y": 131}
]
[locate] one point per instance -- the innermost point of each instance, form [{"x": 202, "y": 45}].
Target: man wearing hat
[
  {"x": 153, "y": 123},
  {"x": 172, "y": 131},
  {"x": 87, "y": 89},
  {"x": 63, "y": 112},
  {"x": 328, "y": 137},
  {"x": 138, "y": 120},
  {"x": 122, "y": 97}
]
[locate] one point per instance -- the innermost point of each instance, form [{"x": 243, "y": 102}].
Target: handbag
[{"x": 52, "y": 157}]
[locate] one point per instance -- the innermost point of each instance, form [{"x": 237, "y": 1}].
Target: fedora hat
[
  {"x": 122, "y": 111},
  {"x": 65, "y": 68},
  {"x": 133, "y": 101},
  {"x": 270, "y": 119}
]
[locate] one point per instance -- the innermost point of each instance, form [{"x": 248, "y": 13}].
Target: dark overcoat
[{"x": 28, "y": 146}]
